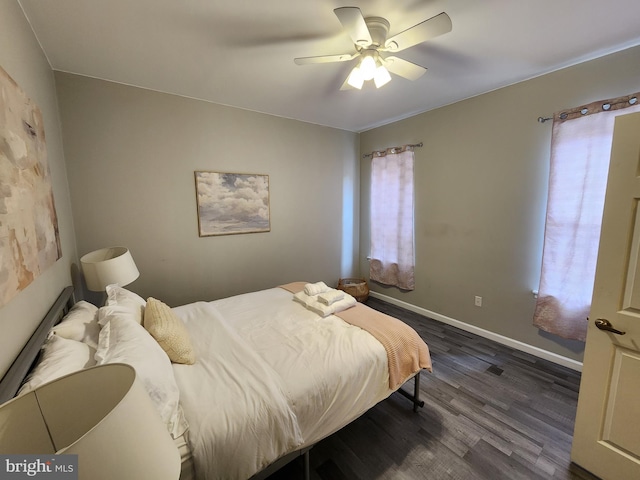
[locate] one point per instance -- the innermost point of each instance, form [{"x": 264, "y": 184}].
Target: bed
[{"x": 266, "y": 379}]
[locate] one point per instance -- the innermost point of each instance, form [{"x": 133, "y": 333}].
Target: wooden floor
[{"x": 490, "y": 412}]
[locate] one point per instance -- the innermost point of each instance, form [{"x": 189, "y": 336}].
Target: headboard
[{"x": 12, "y": 380}]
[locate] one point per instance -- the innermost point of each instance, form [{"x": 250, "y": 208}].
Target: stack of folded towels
[{"x": 323, "y": 300}]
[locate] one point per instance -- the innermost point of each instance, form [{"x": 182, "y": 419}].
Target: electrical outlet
[{"x": 478, "y": 301}]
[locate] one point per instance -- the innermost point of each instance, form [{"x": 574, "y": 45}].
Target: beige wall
[
  {"x": 22, "y": 58},
  {"x": 131, "y": 156},
  {"x": 131, "y": 153},
  {"x": 481, "y": 186}
]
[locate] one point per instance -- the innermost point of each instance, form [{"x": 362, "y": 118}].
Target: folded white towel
[
  {"x": 315, "y": 288},
  {"x": 321, "y": 309},
  {"x": 305, "y": 299},
  {"x": 325, "y": 310},
  {"x": 331, "y": 297}
]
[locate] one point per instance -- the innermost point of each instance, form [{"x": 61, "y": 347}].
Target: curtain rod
[
  {"x": 392, "y": 149},
  {"x": 606, "y": 105}
]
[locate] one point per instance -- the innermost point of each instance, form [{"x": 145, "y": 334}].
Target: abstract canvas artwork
[
  {"x": 29, "y": 238},
  {"x": 230, "y": 203}
]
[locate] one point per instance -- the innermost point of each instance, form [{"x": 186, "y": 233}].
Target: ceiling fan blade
[
  {"x": 419, "y": 33},
  {"x": 353, "y": 22},
  {"x": 325, "y": 59},
  {"x": 403, "y": 68}
]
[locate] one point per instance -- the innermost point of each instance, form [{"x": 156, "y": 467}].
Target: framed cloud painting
[{"x": 232, "y": 203}]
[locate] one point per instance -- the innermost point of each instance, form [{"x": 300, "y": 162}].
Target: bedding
[
  {"x": 231, "y": 398},
  {"x": 69, "y": 346},
  {"x": 59, "y": 356},
  {"x": 122, "y": 302},
  {"x": 80, "y": 324},
  {"x": 272, "y": 377},
  {"x": 126, "y": 341},
  {"x": 406, "y": 352}
]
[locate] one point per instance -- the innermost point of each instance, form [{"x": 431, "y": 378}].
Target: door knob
[{"x": 604, "y": 324}]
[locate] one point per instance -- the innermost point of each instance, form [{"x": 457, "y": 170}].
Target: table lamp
[
  {"x": 112, "y": 265},
  {"x": 101, "y": 414}
]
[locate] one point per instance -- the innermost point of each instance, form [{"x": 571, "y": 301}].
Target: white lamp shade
[
  {"x": 108, "y": 266},
  {"x": 368, "y": 67},
  {"x": 355, "y": 78},
  {"x": 102, "y": 414},
  {"x": 381, "y": 77}
]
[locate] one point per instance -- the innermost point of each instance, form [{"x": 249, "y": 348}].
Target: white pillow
[
  {"x": 116, "y": 295},
  {"x": 82, "y": 312},
  {"x": 121, "y": 302},
  {"x": 124, "y": 341},
  {"x": 80, "y": 324},
  {"x": 107, "y": 312},
  {"x": 59, "y": 356}
]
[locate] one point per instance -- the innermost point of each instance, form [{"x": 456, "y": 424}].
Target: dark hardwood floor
[{"x": 490, "y": 412}]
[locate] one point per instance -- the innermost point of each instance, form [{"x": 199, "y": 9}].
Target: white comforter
[{"x": 271, "y": 377}]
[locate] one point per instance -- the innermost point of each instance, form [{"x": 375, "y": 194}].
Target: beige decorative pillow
[{"x": 169, "y": 331}]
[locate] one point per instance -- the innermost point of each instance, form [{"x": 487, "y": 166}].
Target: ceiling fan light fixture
[
  {"x": 368, "y": 67},
  {"x": 356, "y": 80},
  {"x": 371, "y": 44},
  {"x": 381, "y": 77}
]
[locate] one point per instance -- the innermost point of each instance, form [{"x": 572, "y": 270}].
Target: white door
[{"x": 607, "y": 433}]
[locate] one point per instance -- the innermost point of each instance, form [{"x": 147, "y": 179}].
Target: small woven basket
[{"x": 356, "y": 287}]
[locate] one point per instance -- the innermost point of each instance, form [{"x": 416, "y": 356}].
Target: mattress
[{"x": 271, "y": 377}]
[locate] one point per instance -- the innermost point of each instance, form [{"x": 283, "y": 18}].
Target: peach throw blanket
[{"x": 406, "y": 351}]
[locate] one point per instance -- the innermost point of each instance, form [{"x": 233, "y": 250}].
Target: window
[
  {"x": 580, "y": 150},
  {"x": 392, "y": 242}
]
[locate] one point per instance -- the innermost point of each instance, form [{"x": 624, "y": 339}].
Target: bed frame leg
[
  {"x": 415, "y": 398},
  {"x": 307, "y": 470},
  {"x": 416, "y": 393}
]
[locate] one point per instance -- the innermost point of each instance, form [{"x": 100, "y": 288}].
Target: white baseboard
[{"x": 510, "y": 342}]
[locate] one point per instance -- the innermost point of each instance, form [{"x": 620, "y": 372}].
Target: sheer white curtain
[
  {"x": 392, "y": 243},
  {"x": 580, "y": 150}
]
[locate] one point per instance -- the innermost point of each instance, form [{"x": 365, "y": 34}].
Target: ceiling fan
[{"x": 375, "y": 50}]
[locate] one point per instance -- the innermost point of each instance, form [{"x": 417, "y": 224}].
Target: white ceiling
[{"x": 240, "y": 52}]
